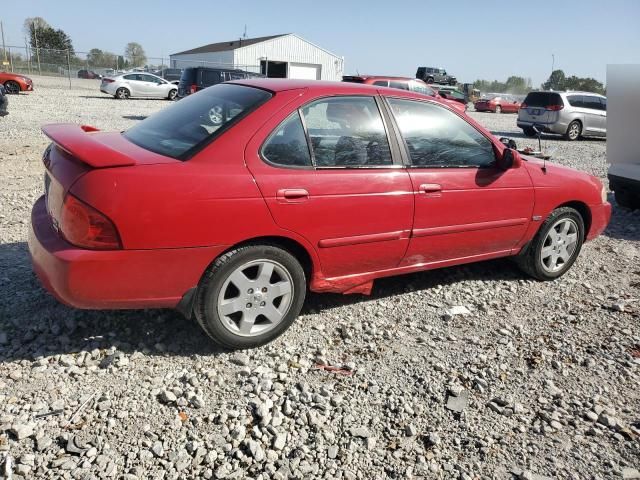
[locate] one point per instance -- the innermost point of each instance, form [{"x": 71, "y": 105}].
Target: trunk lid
[{"x": 76, "y": 150}]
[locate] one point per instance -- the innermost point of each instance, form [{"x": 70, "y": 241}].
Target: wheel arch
[{"x": 584, "y": 211}]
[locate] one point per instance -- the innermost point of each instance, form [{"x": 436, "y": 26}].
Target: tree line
[
  {"x": 53, "y": 45},
  {"x": 556, "y": 81}
]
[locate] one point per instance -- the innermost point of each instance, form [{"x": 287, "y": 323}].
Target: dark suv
[
  {"x": 435, "y": 75},
  {"x": 169, "y": 74},
  {"x": 194, "y": 79}
]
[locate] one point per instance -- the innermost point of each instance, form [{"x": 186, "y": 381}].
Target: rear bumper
[
  {"x": 115, "y": 278},
  {"x": 600, "y": 217},
  {"x": 559, "y": 128}
]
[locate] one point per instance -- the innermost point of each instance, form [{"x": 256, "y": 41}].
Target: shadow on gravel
[
  {"x": 624, "y": 224},
  {"x": 491, "y": 271},
  {"x": 110, "y": 97},
  {"x": 544, "y": 137},
  {"x": 134, "y": 117},
  {"x": 36, "y": 324}
]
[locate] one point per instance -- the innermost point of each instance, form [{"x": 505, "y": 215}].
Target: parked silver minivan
[{"x": 572, "y": 114}]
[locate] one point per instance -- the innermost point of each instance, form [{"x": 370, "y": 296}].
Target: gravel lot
[{"x": 532, "y": 380}]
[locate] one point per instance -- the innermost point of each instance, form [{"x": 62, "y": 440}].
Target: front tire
[
  {"x": 498, "y": 109},
  {"x": 529, "y": 131},
  {"x": 574, "y": 130},
  {"x": 555, "y": 247},
  {"x": 172, "y": 94},
  {"x": 122, "y": 93},
  {"x": 12, "y": 87},
  {"x": 250, "y": 296},
  {"x": 429, "y": 80}
]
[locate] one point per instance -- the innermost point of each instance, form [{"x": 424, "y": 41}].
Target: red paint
[
  {"x": 507, "y": 106},
  {"x": 175, "y": 218},
  {"x": 26, "y": 84}
]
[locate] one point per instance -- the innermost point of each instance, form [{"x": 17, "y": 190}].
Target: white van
[{"x": 623, "y": 142}]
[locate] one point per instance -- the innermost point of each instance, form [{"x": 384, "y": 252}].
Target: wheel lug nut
[
  {"x": 264, "y": 289},
  {"x": 262, "y": 304},
  {"x": 249, "y": 305},
  {"x": 250, "y": 291}
]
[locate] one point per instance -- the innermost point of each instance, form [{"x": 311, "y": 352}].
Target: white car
[{"x": 137, "y": 84}]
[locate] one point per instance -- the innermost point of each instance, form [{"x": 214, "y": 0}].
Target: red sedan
[
  {"x": 15, "y": 83},
  {"x": 233, "y": 202},
  {"x": 498, "y": 104},
  {"x": 405, "y": 83}
]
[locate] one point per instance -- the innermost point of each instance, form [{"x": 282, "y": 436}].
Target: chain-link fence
[{"x": 68, "y": 65}]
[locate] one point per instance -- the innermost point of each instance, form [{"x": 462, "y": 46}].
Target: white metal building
[{"x": 277, "y": 56}]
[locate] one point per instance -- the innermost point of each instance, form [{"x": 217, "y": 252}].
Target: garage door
[{"x": 304, "y": 71}]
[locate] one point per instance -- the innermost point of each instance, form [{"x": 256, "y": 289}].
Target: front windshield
[{"x": 181, "y": 129}]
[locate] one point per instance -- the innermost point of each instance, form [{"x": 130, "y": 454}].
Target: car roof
[
  {"x": 567, "y": 92},
  {"x": 325, "y": 87},
  {"x": 381, "y": 77}
]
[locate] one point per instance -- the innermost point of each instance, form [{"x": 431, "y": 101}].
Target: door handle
[
  {"x": 430, "y": 188},
  {"x": 292, "y": 194}
]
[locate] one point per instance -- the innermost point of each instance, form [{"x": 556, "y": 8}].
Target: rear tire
[
  {"x": 12, "y": 87},
  {"x": 555, "y": 247},
  {"x": 429, "y": 80},
  {"x": 250, "y": 296},
  {"x": 626, "y": 199},
  {"x": 122, "y": 93},
  {"x": 529, "y": 131},
  {"x": 498, "y": 109},
  {"x": 574, "y": 130}
]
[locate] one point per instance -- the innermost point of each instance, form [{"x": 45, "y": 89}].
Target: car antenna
[{"x": 536, "y": 127}]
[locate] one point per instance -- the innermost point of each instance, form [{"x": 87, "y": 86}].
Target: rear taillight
[
  {"x": 107, "y": 80},
  {"x": 85, "y": 227},
  {"x": 194, "y": 88},
  {"x": 554, "y": 108}
]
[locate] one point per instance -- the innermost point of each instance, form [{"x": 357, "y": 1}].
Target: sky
[{"x": 473, "y": 40}]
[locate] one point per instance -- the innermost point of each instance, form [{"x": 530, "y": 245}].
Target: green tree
[
  {"x": 556, "y": 81},
  {"x": 135, "y": 54},
  {"x": 584, "y": 84}
]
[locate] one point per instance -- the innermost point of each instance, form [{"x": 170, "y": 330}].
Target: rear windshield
[
  {"x": 188, "y": 76},
  {"x": 353, "y": 79},
  {"x": 542, "y": 99},
  {"x": 181, "y": 129}
]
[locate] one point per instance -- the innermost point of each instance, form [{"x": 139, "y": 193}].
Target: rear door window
[
  {"x": 381, "y": 83},
  {"x": 592, "y": 102},
  {"x": 400, "y": 85},
  {"x": 182, "y": 129},
  {"x": 347, "y": 132},
  {"x": 211, "y": 77}
]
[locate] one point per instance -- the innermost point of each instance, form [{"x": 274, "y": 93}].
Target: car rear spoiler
[{"x": 79, "y": 142}]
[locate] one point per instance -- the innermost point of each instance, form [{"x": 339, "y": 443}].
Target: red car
[
  {"x": 233, "y": 202},
  {"x": 15, "y": 83},
  {"x": 404, "y": 83},
  {"x": 497, "y": 104}
]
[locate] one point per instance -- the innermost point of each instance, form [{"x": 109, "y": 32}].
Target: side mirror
[{"x": 509, "y": 159}]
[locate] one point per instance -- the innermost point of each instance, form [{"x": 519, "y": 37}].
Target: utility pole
[
  {"x": 69, "y": 67},
  {"x": 35, "y": 35},
  {"x": 553, "y": 62},
  {"x": 4, "y": 49},
  {"x": 26, "y": 49}
]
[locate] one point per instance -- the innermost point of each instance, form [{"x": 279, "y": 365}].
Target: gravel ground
[{"x": 520, "y": 380}]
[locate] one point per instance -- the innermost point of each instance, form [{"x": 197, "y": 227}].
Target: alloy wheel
[
  {"x": 255, "y": 297},
  {"x": 12, "y": 87},
  {"x": 559, "y": 245},
  {"x": 574, "y": 131}
]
